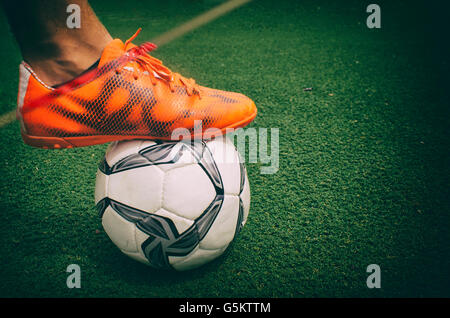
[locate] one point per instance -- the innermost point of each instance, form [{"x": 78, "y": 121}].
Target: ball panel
[
  {"x": 182, "y": 224},
  {"x": 120, "y": 149},
  {"x": 101, "y": 184},
  {"x": 227, "y": 161},
  {"x": 140, "y": 188},
  {"x": 222, "y": 230},
  {"x": 180, "y": 156},
  {"x": 140, "y": 238},
  {"x": 187, "y": 191},
  {"x": 245, "y": 197},
  {"x": 196, "y": 258},
  {"x": 119, "y": 230}
]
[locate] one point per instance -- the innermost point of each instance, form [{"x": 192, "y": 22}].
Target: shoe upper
[{"x": 140, "y": 98}]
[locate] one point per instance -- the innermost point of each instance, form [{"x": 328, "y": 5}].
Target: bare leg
[{"x": 55, "y": 52}]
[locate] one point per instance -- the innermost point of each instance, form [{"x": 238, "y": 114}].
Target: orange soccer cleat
[{"x": 129, "y": 95}]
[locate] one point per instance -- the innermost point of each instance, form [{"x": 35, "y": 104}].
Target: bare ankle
[
  {"x": 68, "y": 59},
  {"x": 56, "y": 71},
  {"x": 56, "y": 52}
]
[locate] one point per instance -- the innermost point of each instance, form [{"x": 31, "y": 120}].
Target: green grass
[{"x": 364, "y": 165}]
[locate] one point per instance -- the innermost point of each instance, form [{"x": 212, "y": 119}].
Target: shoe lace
[{"x": 155, "y": 69}]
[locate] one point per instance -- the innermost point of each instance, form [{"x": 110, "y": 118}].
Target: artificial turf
[{"x": 364, "y": 165}]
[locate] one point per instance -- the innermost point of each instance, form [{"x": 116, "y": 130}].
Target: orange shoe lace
[
  {"x": 155, "y": 69},
  {"x": 152, "y": 67}
]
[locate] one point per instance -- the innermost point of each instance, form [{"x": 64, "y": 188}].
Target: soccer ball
[{"x": 172, "y": 204}]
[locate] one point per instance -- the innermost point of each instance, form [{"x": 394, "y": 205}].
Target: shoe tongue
[{"x": 113, "y": 50}]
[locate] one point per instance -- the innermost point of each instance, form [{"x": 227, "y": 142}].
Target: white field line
[
  {"x": 198, "y": 21},
  {"x": 7, "y": 118}
]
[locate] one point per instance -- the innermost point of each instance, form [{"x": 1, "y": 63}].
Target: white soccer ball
[{"x": 173, "y": 204}]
